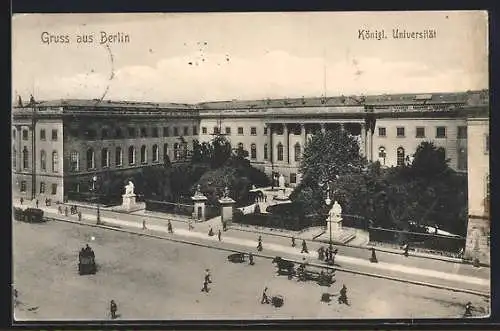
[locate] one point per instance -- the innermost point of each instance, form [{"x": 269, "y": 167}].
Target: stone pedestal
[
  {"x": 336, "y": 226},
  {"x": 129, "y": 202},
  {"x": 199, "y": 201},
  {"x": 227, "y": 206}
]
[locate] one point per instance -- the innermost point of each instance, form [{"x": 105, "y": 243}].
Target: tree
[
  {"x": 429, "y": 162},
  {"x": 220, "y": 151}
]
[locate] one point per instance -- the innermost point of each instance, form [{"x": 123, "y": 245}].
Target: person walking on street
[
  {"x": 405, "y": 249},
  {"x": 259, "y": 244},
  {"x": 113, "y": 308},
  {"x": 265, "y": 298},
  {"x": 21, "y": 200},
  {"x": 250, "y": 259},
  {"x": 219, "y": 234},
  {"x": 169, "y": 227},
  {"x": 36, "y": 202},
  {"x": 293, "y": 241},
  {"x": 207, "y": 276},
  {"x": 79, "y": 216},
  {"x": 205, "y": 287},
  {"x": 343, "y": 295},
  {"x": 373, "y": 258},
  {"x": 210, "y": 232},
  {"x": 224, "y": 226},
  {"x": 66, "y": 211},
  {"x": 321, "y": 252},
  {"x": 468, "y": 309},
  {"x": 190, "y": 225},
  {"x": 144, "y": 225},
  {"x": 304, "y": 247}
]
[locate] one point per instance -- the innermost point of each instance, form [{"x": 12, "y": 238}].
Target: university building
[{"x": 58, "y": 146}]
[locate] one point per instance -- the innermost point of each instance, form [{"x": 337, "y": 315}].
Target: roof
[{"x": 96, "y": 103}]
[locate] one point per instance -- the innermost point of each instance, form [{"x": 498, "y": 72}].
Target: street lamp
[
  {"x": 328, "y": 201},
  {"x": 94, "y": 180}
]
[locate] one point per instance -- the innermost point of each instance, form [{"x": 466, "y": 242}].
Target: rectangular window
[
  {"x": 195, "y": 130},
  {"x": 144, "y": 132},
  {"x": 293, "y": 178},
  {"x": 204, "y": 130},
  {"x": 42, "y": 188},
  {"x": 186, "y": 131},
  {"x": 228, "y": 130},
  {"x": 54, "y": 135},
  {"x": 462, "y": 132},
  {"x": 265, "y": 130},
  {"x": 400, "y": 132},
  {"x": 166, "y": 131},
  {"x": 154, "y": 132},
  {"x": 253, "y": 131},
  {"x": 118, "y": 133},
  {"x": 441, "y": 132},
  {"x": 382, "y": 132},
  {"x": 54, "y": 189},
  {"x": 74, "y": 161},
  {"x": 42, "y": 134},
  {"x": 23, "y": 186},
  {"x": 420, "y": 132},
  {"x": 131, "y": 132},
  {"x": 176, "y": 131},
  {"x": 240, "y": 130},
  {"x": 55, "y": 162},
  {"x": 462, "y": 159},
  {"x": 216, "y": 130},
  {"x": 25, "y": 134}
]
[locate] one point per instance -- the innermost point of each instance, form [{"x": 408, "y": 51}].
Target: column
[
  {"x": 269, "y": 144},
  {"x": 362, "y": 148},
  {"x": 272, "y": 155},
  {"x": 285, "y": 144},
  {"x": 342, "y": 127}
]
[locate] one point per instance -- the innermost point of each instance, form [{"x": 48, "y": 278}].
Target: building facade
[{"x": 58, "y": 146}]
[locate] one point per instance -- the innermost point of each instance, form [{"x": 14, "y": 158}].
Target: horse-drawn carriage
[
  {"x": 29, "y": 215},
  {"x": 86, "y": 261},
  {"x": 304, "y": 273},
  {"x": 236, "y": 258}
]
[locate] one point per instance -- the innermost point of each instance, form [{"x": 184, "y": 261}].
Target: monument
[
  {"x": 281, "y": 189},
  {"x": 334, "y": 221},
  {"x": 128, "y": 199},
  {"x": 227, "y": 205},
  {"x": 199, "y": 200}
]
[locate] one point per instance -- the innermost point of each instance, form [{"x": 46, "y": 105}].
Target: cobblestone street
[{"x": 157, "y": 279}]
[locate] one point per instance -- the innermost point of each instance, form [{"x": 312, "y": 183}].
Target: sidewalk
[{"x": 180, "y": 229}]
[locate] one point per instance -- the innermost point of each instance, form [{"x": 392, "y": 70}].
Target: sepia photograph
[{"x": 250, "y": 166}]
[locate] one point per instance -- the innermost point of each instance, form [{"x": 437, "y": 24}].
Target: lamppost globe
[
  {"x": 328, "y": 201},
  {"x": 94, "y": 178}
]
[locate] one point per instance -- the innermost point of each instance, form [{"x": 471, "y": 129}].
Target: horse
[{"x": 284, "y": 265}]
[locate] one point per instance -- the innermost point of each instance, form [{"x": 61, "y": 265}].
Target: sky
[{"x": 198, "y": 57}]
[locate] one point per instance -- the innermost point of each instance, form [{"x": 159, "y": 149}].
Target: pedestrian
[
  {"x": 66, "y": 211},
  {"x": 190, "y": 225},
  {"x": 250, "y": 259},
  {"x": 259, "y": 244},
  {"x": 405, "y": 249},
  {"x": 169, "y": 227},
  {"x": 265, "y": 298},
  {"x": 207, "y": 276},
  {"x": 144, "y": 225},
  {"x": 79, "y": 216},
  {"x": 59, "y": 209},
  {"x": 36, "y": 202},
  {"x": 343, "y": 295},
  {"x": 113, "y": 308},
  {"x": 321, "y": 255},
  {"x": 293, "y": 241},
  {"x": 304, "y": 247},
  {"x": 21, "y": 200},
  {"x": 373, "y": 258},
  {"x": 205, "y": 287},
  {"x": 468, "y": 309},
  {"x": 224, "y": 226},
  {"x": 219, "y": 234},
  {"x": 210, "y": 232}
]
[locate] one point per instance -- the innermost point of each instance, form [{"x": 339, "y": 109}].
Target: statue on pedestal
[
  {"x": 129, "y": 188},
  {"x": 336, "y": 212},
  {"x": 226, "y": 192},
  {"x": 281, "y": 181},
  {"x": 198, "y": 190}
]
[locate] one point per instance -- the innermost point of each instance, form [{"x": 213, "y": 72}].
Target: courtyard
[{"x": 157, "y": 279}]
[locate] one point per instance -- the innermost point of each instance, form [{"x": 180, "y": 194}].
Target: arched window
[
  {"x": 104, "y": 158},
  {"x": 14, "y": 156},
  {"x": 90, "y": 159},
  {"x": 176, "y": 151},
  {"x": 131, "y": 155},
  {"x": 43, "y": 160},
  {"x": 144, "y": 154},
  {"x": 165, "y": 153},
  {"x": 55, "y": 162},
  {"x": 297, "y": 152},
  {"x": 382, "y": 155},
  {"x": 280, "y": 152},
  {"x": 265, "y": 151},
  {"x": 155, "y": 153},
  {"x": 25, "y": 158},
  {"x": 253, "y": 151},
  {"x": 74, "y": 161},
  {"x": 400, "y": 154},
  {"x": 118, "y": 156}
]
